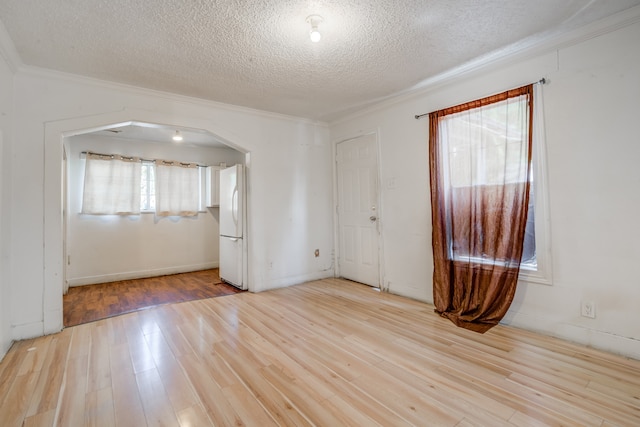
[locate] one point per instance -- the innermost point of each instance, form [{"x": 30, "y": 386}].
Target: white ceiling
[{"x": 257, "y": 53}]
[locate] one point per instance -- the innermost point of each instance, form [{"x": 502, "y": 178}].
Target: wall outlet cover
[{"x": 588, "y": 309}]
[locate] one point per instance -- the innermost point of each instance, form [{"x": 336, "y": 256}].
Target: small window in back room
[
  {"x": 147, "y": 187},
  {"x": 111, "y": 185}
]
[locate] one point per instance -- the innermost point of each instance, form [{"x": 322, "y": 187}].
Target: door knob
[{"x": 372, "y": 218}]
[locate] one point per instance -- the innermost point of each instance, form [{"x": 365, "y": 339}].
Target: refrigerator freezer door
[
  {"x": 231, "y": 201},
  {"x": 231, "y": 261}
]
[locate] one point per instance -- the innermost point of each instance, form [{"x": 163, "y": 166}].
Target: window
[
  {"x": 119, "y": 185},
  {"x": 484, "y": 153},
  {"x": 177, "y": 186},
  {"x": 111, "y": 185},
  {"x": 480, "y": 155},
  {"x": 482, "y": 149},
  {"x": 148, "y": 187}
]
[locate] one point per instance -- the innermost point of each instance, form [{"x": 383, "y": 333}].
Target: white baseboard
[
  {"x": 129, "y": 275},
  {"x": 605, "y": 341},
  {"x": 4, "y": 349},
  {"x": 27, "y": 330},
  {"x": 293, "y": 280}
]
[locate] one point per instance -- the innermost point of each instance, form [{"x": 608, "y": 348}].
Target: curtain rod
[
  {"x": 141, "y": 159},
  {"x": 539, "y": 82}
]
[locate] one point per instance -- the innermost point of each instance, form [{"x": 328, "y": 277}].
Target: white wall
[
  {"x": 105, "y": 248},
  {"x": 591, "y": 111},
  {"x": 289, "y": 194},
  {"x": 6, "y": 110}
]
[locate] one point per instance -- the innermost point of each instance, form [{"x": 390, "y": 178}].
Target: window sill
[
  {"x": 527, "y": 274},
  {"x": 153, "y": 212},
  {"x": 534, "y": 276}
]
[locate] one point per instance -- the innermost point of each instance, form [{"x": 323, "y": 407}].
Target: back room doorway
[{"x": 103, "y": 249}]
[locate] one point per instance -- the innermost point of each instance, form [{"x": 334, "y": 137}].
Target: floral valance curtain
[
  {"x": 111, "y": 185},
  {"x": 177, "y": 188},
  {"x": 480, "y": 165}
]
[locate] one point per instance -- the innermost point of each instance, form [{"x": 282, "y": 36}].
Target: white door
[{"x": 357, "y": 165}]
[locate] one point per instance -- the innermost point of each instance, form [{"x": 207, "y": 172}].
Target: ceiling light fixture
[
  {"x": 314, "y": 33},
  {"x": 177, "y": 137}
]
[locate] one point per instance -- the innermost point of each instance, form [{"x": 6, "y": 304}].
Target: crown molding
[
  {"x": 8, "y": 50},
  {"x": 38, "y": 72},
  {"x": 525, "y": 49}
]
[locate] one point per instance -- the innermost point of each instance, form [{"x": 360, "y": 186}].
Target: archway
[{"x": 55, "y": 134}]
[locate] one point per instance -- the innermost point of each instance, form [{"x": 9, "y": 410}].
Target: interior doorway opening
[
  {"x": 101, "y": 249},
  {"x": 57, "y": 201}
]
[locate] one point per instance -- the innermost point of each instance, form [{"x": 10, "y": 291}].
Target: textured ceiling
[{"x": 257, "y": 53}]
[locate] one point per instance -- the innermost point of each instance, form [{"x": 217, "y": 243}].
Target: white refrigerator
[{"x": 231, "y": 222}]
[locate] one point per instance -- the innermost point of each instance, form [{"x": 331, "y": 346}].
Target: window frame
[{"x": 542, "y": 274}]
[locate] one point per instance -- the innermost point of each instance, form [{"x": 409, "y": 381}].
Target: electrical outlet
[{"x": 589, "y": 309}]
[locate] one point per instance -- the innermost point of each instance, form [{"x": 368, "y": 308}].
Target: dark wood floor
[{"x": 84, "y": 304}]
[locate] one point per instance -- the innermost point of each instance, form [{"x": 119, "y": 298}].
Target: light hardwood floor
[{"x": 326, "y": 353}]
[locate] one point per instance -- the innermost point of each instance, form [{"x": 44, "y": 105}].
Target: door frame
[{"x": 382, "y": 285}]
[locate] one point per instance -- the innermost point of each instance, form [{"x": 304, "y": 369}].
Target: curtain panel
[
  {"x": 177, "y": 188},
  {"x": 480, "y": 171},
  {"x": 111, "y": 185}
]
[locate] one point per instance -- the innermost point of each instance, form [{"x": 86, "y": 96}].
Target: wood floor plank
[
  {"x": 99, "y": 371},
  {"x": 71, "y": 406},
  {"x": 43, "y": 419},
  {"x": 126, "y": 399},
  {"x": 301, "y": 398},
  {"x": 10, "y": 366},
  {"x": 35, "y": 356},
  {"x": 194, "y": 416},
  {"x": 406, "y": 401},
  {"x": 329, "y": 352},
  {"x": 247, "y": 407},
  {"x": 277, "y": 404},
  {"x": 14, "y": 409},
  {"x": 178, "y": 387},
  {"x": 99, "y": 410},
  {"x": 217, "y": 406},
  {"x": 141, "y": 354},
  {"x": 156, "y": 404},
  {"x": 46, "y": 394}
]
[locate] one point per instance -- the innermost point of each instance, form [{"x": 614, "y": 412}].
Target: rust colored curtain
[{"x": 480, "y": 171}]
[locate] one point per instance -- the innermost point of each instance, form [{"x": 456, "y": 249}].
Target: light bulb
[
  {"x": 315, "y": 35},
  {"x": 177, "y": 137}
]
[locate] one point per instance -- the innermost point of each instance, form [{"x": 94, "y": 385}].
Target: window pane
[
  {"x": 147, "y": 187},
  {"x": 485, "y": 144},
  {"x": 529, "y": 246},
  {"x": 111, "y": 185}
]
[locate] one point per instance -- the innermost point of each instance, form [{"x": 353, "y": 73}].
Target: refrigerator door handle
[{"x": 234, "y": 205}]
